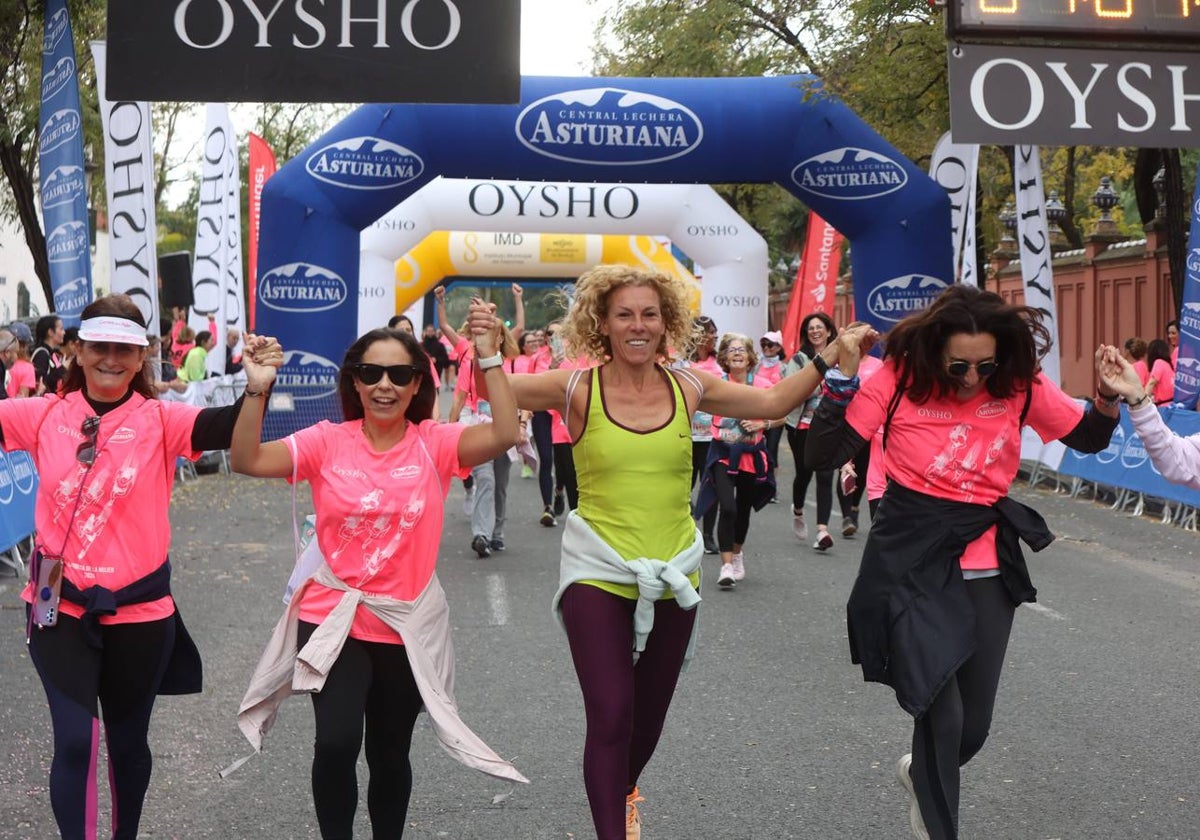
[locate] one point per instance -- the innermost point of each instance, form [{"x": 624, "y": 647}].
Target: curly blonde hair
[
  {"x": 582, "y": 325},
  {"x": 723, "y": 351}
]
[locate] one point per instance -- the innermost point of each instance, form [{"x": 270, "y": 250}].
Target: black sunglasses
[
  {"x": 86, "y": 452},
  {"x": 959, "y": 368},
  {"x": 369, "y": 374}
]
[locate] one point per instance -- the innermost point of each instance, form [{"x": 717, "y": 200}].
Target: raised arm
[
  {"x": 485, "y": 441},
  {"x": 518, "y": 327},
  {"x": 439, "y": 295},
  {"x": 247, "y": 453}
]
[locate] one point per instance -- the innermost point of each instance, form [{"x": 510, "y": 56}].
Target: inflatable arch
[
  {"x": 693, "y": 216},
  {"x": 731, "y": 130},
  {"x": 519, "y": 255}
]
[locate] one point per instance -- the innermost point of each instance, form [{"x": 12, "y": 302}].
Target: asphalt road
[{"x": 773, "y": 734}]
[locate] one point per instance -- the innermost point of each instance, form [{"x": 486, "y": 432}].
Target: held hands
[
  {"x": 484, "y": 327},
  {"x": 261, "y": 359},
  {"x": 1117, "y": 374}
]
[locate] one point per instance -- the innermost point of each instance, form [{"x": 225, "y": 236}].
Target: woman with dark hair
[
  {"x": 942, "y": 572},
  {"x": 379, "y": 480},
  {"x": 105, "y": 452},
  {"x": 817, "y": 331},
  {"x": 1173, "y": 341},
  {"x": 1161, "y": 382}
]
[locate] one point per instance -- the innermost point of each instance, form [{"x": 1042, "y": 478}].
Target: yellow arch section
[{"x": 473, "y": 254}]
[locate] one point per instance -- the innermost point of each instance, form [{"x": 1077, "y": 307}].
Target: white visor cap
[{"x": 113, "y": 330}]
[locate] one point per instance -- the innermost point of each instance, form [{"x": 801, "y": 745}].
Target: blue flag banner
[
  {"x": 1125, "y": 462},
  {"x": 60, "y": 162},
  {"x": 18, "y": 492},
  {"x": 1187, "y": 370}
]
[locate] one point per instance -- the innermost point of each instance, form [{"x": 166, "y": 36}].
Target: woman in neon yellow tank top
[{"x": 631, "y": 552}]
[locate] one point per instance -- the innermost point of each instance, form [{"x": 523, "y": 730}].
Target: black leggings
[
  {"x": 564, "y": 473},
  {"x": 956, "y": 724},
  {"x": 735, "y": 495},
  {"x": 119, "y": 681},
  {"x": 543, "y": 440},
  {"x": 625, "y": 702},
  {"x": 796, "y": 439},
  {"x": 371, "y": 681}
]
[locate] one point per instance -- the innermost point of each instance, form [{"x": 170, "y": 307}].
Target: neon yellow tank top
[{"x": 635, "y": 487}]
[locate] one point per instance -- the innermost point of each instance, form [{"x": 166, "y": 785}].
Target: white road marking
[
  {"x": 1046, "y": 611},
  {"x": 497, "y": 592}
]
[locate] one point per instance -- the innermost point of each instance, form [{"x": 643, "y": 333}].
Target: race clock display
[{"x": 1094, "y": 20}]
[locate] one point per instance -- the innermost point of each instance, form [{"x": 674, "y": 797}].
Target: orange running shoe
[{"x": 633, "y": 820}]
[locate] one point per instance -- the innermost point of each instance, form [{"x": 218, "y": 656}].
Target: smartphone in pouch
[
  {"x": 47, "y": 590},
  {"x": 849, "y": 483}
]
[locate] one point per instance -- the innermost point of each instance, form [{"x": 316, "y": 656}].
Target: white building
[{"x": 17, "y": 278}]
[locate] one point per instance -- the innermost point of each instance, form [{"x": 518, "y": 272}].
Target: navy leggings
[
  {"x": 371, "y": 681},
  {"x": 625, "y": 702},
  {"x": 956, "y": 725},
  {"x": 543, "y": 440},
  {"x": 119, "y": 682}
]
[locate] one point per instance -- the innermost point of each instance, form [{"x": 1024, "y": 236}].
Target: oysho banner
[
  {"x": 954, "y": 166},
  {"x": 1034, "y": 242},
  {"x": 1187, "y": 369},
  {"x": 60, "y": 162},
  {"x": 129, "y": 189},
  {"x": 217, "y": 267}
]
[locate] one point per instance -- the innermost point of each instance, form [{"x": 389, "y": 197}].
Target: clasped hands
[{"x": 484, "y": 327}]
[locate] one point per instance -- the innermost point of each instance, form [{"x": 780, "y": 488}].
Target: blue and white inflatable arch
[{"x": 733, "y": 130}]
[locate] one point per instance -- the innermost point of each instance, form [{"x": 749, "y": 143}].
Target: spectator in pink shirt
[
  {"x": 942, "y": 571},
  {"x": 379, "y": 481},
  {"x": 1161, "y": 382}
]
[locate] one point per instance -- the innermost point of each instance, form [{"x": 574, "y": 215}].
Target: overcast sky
[{"x": 556, "y": 35}]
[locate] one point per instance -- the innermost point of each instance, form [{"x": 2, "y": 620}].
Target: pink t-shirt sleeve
[
  {"x": 179, "y": 419},
  {"x": 1052, "y": 413},
  {"x": 21, "y": 419},
  {"x": 21, "y": 375},
  {"x": 309, "y": 449},
  {"x": 868, "y": 409},
  {"x": 441, "y": 439}
]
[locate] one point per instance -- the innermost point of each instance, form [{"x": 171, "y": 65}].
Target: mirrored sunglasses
[
  {"x": 399, "y": 375},
  {"x": 85, "y": 453},
  {"x": 959, "y": 368}
]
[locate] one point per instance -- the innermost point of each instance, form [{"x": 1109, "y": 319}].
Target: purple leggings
[{"x": 625, "y": 702}]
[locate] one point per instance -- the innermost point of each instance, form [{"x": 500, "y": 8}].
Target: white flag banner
[
  {"x": 969, "y": 273},
  {"x": 1034, "y": 240},
  {"x": 217, "y": 268},
  {"x": 129, "y": 189},
  {"x": 954, "y": 166}
]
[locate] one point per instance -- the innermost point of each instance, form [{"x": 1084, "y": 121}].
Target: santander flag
[
  {"x": 262, "y": 167},
  {"x": 816, "y": 279}
]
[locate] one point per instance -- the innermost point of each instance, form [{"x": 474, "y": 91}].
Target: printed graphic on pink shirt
[{"x": 379, "y": 514}]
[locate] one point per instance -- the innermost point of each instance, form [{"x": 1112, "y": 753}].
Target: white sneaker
[
  {"x": 824, "y": 541},
  {"x": 799, "y": 528},
  {"x": 904, "y": 777},
  {"x": 727, "y": 579},
  {"x": 739, "y": 569},
  {"x": 469, "y": 502}
]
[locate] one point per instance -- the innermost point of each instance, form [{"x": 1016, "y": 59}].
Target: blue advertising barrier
[
  {"x": 780, "y": 130},
  {"x": 18, "y": 493},
  {"x": 1125, "y": 463}
]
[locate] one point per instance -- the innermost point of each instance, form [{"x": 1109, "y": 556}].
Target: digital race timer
[{"x": 1098, "y": 20}]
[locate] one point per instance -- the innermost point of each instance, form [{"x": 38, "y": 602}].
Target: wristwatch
[
  {"x": 820, "y": 364},
  {"x": 490, "y": 362}
]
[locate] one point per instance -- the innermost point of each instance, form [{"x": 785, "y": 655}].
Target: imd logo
[
  {"x": 850, "y": 174},
  {"x": 61, "y": 128},
  {"x": 307, "y": 375},
  {"x": 64, "y": 185},
  {"x": 609, "y": 127},
  {"x": 365, "y": 163},
  {"x": 302, "y": 287},
  {"x": 901, "y": 296}
]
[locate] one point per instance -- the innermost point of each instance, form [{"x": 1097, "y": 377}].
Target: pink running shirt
[
  {"x": 963, "y": 451},
  {"x": 120, "y": 532},
  {"x": 379, "y": 514}
]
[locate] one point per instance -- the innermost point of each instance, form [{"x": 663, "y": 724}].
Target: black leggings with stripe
[{"x": 117, "y": 684}]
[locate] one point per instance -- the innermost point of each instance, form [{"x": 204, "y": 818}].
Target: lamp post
[{"x": 1007, "y": 246}]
